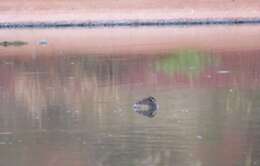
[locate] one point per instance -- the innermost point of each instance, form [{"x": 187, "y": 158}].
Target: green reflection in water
[{"x": 188, "y": 62}]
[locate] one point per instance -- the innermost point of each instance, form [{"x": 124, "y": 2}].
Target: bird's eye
[{"x": 152, "y": 99}]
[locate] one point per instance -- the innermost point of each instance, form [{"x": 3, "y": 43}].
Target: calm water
[{"x": 76, "y": 110}]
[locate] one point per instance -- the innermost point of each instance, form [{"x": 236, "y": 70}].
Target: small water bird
[{"x": 147, "y": 107}]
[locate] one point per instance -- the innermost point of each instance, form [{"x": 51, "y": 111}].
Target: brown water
[{"x": 76, "y": 110}]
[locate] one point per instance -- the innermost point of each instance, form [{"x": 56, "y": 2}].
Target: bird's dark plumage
[{"x": 147, "y": 107}]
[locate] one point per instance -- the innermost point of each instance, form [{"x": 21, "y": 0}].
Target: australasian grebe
[{"x": 147, "y": 107}]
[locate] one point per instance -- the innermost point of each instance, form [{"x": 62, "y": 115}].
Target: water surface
[{"x": 76, "y": 109}]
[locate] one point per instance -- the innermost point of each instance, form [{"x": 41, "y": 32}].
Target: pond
[{"x": 67, "y": 95}]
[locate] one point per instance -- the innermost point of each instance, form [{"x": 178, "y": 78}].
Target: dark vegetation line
[{"x": 132, "y": 23}]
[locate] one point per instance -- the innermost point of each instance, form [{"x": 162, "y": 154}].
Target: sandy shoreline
[
  {"x": 65, "y": 10},
  {"x": 125, "y": 41}
]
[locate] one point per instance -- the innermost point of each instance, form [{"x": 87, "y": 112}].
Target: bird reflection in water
[{"x": 147, "y": 107}]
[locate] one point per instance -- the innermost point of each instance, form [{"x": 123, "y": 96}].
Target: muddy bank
[{"x": 32, "y": 10}]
